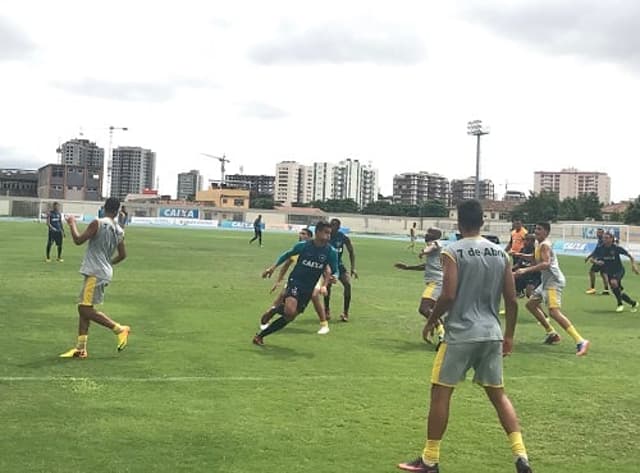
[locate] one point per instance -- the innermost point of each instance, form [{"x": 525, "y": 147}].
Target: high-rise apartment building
[
  {"x": 369, "y": 185},
  {"x": 81, "y": 152},
  {"x": 464, "y": 189},
  {"x": 414, "y": 188},
  {"x": 573, "y": 183},
  {"x": 189, "y": 183},
  {"x": 133, "y": 171},
  {"x": 348, "y": 179},
  {"x": 287, "y": 182}
]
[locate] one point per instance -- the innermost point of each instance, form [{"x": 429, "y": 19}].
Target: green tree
[
  {"x": 632, "y": 214},
  {"x": 262, "y": 203},
  {"x": 585, "y": 206},
  {"x": 590, "y": 205},
  {"x": 336, "y": 205},
  {"x": 570, "y": 209},
  {"x": 434, "y": 208},
  {"x": 541, "y": 207}
]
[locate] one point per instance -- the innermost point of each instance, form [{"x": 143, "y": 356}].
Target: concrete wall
[{"x": 279, "y": 220}]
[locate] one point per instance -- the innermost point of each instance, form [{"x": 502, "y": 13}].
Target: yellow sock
[
  {"x": 431, "y": 452},
  {"x": 550, "y": 329},
  {"x": 517, "y": 445},
  {"x": 571, "y": 330},
  {"x": 440, "y": 330},
  {"x": 82, "y": 342},
  {"x": 324, "y": 324},
  {"x": 117, "y": 328}
]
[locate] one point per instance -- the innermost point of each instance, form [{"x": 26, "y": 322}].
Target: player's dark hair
[
  {"x": 546, "y": 226},
  {"x": 470, "y": 215},
  {"x": 308, "y": 232},
  {"x": 335, "y": 221},
  {"x": 433, "y": 234},
  {"x": 321, "y": 225},
  {"x": 112, "y": 205}
]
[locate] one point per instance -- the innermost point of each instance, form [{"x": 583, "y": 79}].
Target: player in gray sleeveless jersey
[
  {"x": 432, "y": 268},
  {"x": 550, "y": 291},
  {"x": 105, "y": 238},
  {"x": 476, "y": 273}
]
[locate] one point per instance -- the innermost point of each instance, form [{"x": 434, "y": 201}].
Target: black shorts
[
  {"x": 342, "y": 269},
  {"x": 596, "y": 268},
  {"x": 618, "y": 275},
  {"x": 55, "y": 237},
  {"x": 301, "y": 295},
  {"x": 533, "y": 279}
]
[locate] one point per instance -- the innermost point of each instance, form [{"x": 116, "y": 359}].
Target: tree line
[{"x": 544, "y": 206}]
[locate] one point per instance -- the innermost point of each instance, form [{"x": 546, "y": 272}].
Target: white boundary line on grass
[{"x": 208, "y": 379}]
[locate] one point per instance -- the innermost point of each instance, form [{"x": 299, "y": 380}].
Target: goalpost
[{"x": 587, "y": 232}]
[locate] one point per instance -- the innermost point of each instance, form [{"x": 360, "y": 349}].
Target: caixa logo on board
[
  {"x": 178, "y": 212},
  {"x": 574, "y": 246}
]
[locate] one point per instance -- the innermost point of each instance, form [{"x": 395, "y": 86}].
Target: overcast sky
[{"x": 393, "y": 83}]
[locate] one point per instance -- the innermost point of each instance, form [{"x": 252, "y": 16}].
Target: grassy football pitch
[{"x": 192, "y": 394}]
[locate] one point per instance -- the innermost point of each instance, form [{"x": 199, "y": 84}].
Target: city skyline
[{"x": 392, "y": 84}]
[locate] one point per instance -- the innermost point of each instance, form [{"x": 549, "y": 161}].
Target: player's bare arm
[
  {"x": 545, "y": 262},
  {"x": 511, "y": 310},
  {"x": 352, "y": 257},
  {"x": 88, "y": 234},
  {"x": 281, "y": 275},
  {"x": 417, "y": 267},
  {"x": 122, "y": 254}
]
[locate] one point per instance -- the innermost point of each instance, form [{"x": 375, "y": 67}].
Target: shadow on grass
[
  {"x": 278, "y": 352},
  {"x": 395, "y": 345}
]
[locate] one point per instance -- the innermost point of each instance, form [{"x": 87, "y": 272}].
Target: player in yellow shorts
[{"x": 432, "y": 267}]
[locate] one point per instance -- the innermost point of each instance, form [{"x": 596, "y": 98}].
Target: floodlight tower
[{"x": 477, "y": 129}]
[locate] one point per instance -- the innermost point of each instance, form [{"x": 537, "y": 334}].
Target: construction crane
[{"x": 223, "y": 160}]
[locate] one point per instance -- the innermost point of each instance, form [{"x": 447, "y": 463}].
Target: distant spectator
[{"x": 123, "y": 217}]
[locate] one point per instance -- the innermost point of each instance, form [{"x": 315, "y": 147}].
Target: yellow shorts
[
  {"x": 92, "y": 292},
  {"x": 432, "y": 291}
]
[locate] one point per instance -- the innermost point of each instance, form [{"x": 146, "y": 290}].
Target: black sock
[
  {"x": 618, "y": 294},
  {"x": 48, "y": 250},
  {"x": 274, "y": 327},
  {"x": 628, "y": 300},
  {"x": 59, "y": 252},
  {"x": 347, "y": 299}
]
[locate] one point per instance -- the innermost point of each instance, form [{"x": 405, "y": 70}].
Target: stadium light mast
[
  {"x": 107, "y": 184},
  {"x": 477, "y": 129}
]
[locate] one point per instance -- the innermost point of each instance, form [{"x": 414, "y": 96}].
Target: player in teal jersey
[
  {"x": 313, "y": 256},
  {"x": 340, "y": 241}
]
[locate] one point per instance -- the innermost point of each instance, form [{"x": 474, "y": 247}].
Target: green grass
[{"x": 192, "y": 394}]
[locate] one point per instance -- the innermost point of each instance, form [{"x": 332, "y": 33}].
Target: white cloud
[
  {"x": 14, "y": 43},
  {"x": 341, "y": 44}
]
